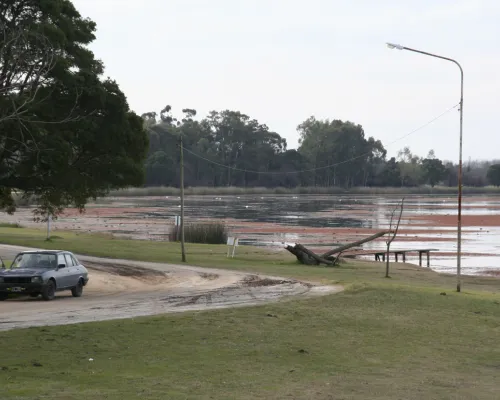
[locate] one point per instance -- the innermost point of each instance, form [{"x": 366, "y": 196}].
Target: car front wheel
[
  {"x": 4, "y": 296},
  {"x": 77, "y": 291},
  {"x": 49, "y": 291}
]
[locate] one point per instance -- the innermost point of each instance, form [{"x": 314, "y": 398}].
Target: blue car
[{"x": 44, "y": 273}]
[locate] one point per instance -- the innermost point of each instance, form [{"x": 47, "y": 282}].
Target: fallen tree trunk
[
  {"x": 354, "y": 244},
  {"x": 306, "y": 256}
]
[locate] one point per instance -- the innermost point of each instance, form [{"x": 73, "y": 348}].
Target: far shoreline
[{"x": 234, "y": 190}]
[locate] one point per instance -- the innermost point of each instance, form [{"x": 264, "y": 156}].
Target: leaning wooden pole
[
  {"x": 354, "y": 244},
  {"x": 183, "y": 249}
]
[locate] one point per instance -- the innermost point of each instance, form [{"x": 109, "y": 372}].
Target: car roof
[{"x": 44, "y": 251}]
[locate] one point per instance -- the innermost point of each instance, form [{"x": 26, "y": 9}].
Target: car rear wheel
[
  {"x": 77, "y": 291},
  {"x": 4, "y": 296},
  {"x": 49, "y": 291}
]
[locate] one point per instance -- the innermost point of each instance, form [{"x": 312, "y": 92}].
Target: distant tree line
[{"x": 228, "y": 148}]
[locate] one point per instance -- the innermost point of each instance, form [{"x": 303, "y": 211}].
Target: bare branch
[
  {"x": 394, "y": 233},
  {"x": 26, "y": 58}
]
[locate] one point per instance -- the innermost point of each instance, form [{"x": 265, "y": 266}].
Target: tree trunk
[
  {"x": 306, "y": 256},
  {"x": 355, "y": 244},
  {"x": 387, "y": 261},
  {"x": 394, "y": 233}
]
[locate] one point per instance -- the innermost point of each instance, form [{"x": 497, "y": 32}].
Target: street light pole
[{"x": 459, "y": 222}]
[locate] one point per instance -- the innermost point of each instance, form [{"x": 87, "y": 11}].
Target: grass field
[{"x": 396, "y": 338}]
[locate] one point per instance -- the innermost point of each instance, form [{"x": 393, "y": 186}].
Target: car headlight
[{"x": 36, "y": 279}]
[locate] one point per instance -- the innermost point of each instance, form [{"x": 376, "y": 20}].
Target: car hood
[{"x": 21, "y": 272}]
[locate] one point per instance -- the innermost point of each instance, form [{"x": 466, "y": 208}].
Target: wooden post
[
  {"x": 396, "y": 256},
  {"x": 183, "y": 249},
  {"x": 404, "y": 256},
  {"x": 49, "y": 220},
  {"x": 428, "y": 259},
  {"x": 177, "y": 226},
  {"x": 420, "y": 258}
]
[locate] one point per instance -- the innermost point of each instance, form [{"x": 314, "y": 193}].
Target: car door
[
  {"x": 72, "y": 271},
  {"x": 62, "y": 279},
  {"x": 80, "y": 269}
]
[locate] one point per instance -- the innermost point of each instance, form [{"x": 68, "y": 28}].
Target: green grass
[
  {"x": 380, "y": 339},
  {"x": 9, "y": 225},
  {"x": 424, "y": 190}
]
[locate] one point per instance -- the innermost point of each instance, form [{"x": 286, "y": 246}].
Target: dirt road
[{"x": 126, "y": 289}]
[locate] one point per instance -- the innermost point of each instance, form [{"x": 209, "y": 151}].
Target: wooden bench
[{"x": 382, "y": 253}]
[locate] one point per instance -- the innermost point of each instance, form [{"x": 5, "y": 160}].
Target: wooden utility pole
[{"x": 183, "y": 250}]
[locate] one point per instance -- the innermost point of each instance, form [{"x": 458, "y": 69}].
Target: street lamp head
[{"x": 395, "y": 46}]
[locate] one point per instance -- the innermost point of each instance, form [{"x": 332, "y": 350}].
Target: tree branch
[{"x": 394, "y": 233}]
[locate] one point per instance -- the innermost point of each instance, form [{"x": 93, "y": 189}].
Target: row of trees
[{"x": 229, "y": 148}]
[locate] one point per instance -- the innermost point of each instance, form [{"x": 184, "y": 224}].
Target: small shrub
[{"x": 206, "y": 233}]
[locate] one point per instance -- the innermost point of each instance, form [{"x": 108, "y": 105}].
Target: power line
[{"x": 324, "y": 167}]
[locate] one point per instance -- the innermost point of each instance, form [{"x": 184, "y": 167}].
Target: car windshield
[{"x": 35, "y": 260}]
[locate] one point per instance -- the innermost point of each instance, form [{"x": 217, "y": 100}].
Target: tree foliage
[
  {"x": 343, "y": 144},
  {"x": 66, "y": 134},
  {"x": 493, "y": 174},
  {"x": 433, "y": 171},
  {"x": 229, "y": 148},
  {"x": 226, "y": 138}
]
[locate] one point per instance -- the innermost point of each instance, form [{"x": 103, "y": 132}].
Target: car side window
[
  {"x": 61, "y": 260},
  {"x": 69, "y": 261},
  {"x": 75, "y": 261}
]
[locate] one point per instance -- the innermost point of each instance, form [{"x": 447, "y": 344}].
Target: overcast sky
[{"x": 281, "y": 61}]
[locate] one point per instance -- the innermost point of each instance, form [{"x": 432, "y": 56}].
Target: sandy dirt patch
[
  {"x": 493, "y": 272},
  {"x": 126, "y": 289}
]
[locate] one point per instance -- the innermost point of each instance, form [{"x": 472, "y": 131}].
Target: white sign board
[{"x": 232, "y": 242}]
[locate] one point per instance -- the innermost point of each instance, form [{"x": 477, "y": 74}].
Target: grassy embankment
[
  {"x": 380, "y": 339},
  {"x": 423, "y": 190}
]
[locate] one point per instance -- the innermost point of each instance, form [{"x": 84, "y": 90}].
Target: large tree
[
  {"x": 66, "y": 134},
  {"x": 409, "y": 167},
  {"x": 339, "y": 152},
  {"x": 493, "y": 174},
  {"x": 433, "y": 171}
]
